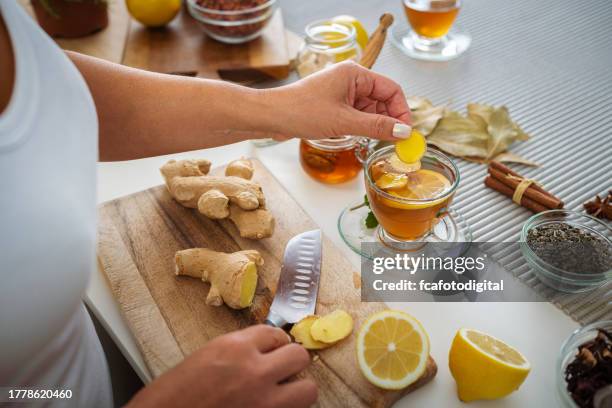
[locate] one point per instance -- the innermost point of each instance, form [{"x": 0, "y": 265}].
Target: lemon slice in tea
[
  {"x": 423, "y": 184},
  {"x": 392, "y": 181},
  {"x": 411, "y": 150},
  {"x": 392, "y": 349}
]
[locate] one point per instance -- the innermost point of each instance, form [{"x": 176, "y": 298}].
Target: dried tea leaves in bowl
[{"x": 570, "y": 248}]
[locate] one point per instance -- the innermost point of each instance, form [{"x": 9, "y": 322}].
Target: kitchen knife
[{"x": 298, "y": 283}]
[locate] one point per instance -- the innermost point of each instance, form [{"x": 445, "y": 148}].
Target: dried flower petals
[{"x": 591, "y": 369}]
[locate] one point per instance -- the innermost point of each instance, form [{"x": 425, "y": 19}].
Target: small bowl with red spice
[
  {"x": 584, "y": 367},
  {"x": 232, "y": 21}
]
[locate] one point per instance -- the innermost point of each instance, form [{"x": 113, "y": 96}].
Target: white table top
[{"x": 537, "y": 329}]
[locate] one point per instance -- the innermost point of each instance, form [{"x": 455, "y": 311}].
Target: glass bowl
[
  {"x": 232, "y": 21},
  {"x": 555, "y": 277},
  {"x": 569, "y": 349}
]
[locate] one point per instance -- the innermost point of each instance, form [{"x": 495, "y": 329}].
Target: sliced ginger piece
[
  {"x": 332, "y": 327},
  {"x": 398, "y": 166},
  {"x": 232, "y": 276},
  {"x": 411, "y": 150},
  {"x": 301, "y": 333}
]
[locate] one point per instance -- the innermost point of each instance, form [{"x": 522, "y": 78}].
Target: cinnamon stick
[
  {"x": 507, "y": 170},
  {"x": 509, "y": 192},
  {"x": 545, "y": 199}
]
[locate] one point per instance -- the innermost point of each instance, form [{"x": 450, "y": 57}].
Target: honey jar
[{"x": 332, "y": 160}]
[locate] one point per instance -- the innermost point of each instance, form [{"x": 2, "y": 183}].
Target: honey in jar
[{"x": 332, "y": 160}]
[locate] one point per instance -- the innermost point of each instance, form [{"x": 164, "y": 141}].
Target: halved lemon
[
  {"x": 485, "y": 367},
  {"x": 392, "y": 349},
  {"x": 411, "y": 149}
]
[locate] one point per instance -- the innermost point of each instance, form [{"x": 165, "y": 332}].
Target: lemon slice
[
  {"x": 391, "y": 181},
  {"x": 392, "y": 349},
  {"x": 485, "y": 367},
  {"x": 423, "y": 184},
  {"x": 411, "y": 150}
]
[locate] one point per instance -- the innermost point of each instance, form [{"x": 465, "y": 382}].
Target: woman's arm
[{"x": 144, "y": 114}]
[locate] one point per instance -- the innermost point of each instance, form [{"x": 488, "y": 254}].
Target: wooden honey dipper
[{"x": 376, "y": 41}]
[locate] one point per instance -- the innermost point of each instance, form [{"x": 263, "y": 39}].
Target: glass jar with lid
[
  {"x": 329, "y": 160},
  {"x": 327, "y": 43},
  {"x": 333, "y": 160}
]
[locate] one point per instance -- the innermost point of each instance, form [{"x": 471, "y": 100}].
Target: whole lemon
[
  {"x": 360, "y": 31},
  {"x": 153, "y": 13}
]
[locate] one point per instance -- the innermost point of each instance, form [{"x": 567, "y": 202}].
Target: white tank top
[{"x": 48, "y": 154}]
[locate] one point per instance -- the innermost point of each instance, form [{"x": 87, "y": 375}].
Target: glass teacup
[
  {"x": 409, "y": 214},
  {"x": 430, "y": 37}
]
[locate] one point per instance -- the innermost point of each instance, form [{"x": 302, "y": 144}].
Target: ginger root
[
  {"x": 233, "y": 196},
  {"x": 242, "y": 168},
  {"x": 185, "y": 168},
  {"x": 315, "y": 332},
  {"x": 232, "y": 277}
]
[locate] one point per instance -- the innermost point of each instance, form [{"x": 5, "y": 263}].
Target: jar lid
[{"x": 334, "y": 143}]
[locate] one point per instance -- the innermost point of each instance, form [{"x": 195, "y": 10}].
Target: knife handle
[{"x": 275, "y": 320}]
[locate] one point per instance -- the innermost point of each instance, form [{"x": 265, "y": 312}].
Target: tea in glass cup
[
  {"x": 408, "y": 202},
  {"x": 430, "y": 37},
  {"x": 431, "y": 19}
]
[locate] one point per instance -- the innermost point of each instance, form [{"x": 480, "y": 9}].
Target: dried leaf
[
  {"x": 508, "y": 157},
  {"x": 502, "y": 130},
  {"x": 424, "y": 115},
  {"x": 479, "y": 112},
  {"x": 418, "y": 103},
  {"x": 500, "y": 126},
  {"x": 425, "y": 120},
  {"x": 485, "y": 134},
  {"x": 460, "y": 136}
]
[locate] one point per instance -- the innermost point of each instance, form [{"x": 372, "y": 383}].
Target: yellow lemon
[
  {"x": 360, "y": 31},
  {"x": 392, "y": 349},
  {"x": 485, "y": 367},
  {"x": 411, "y": 149},
  {"x": 422, "y": 184},
  {"x": 153, "y": 13}
]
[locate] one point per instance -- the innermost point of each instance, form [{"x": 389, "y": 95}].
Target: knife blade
[{"x": 298, "y": 283}]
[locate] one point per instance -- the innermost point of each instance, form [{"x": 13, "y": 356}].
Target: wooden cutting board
[
  {"x": 182, "y": 47},
  {"x": 138, "y": 237}
]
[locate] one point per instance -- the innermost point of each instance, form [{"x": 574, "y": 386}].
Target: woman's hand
[
  {"x": 345, "y": 99},
  {"x": 246, "y": 368}
]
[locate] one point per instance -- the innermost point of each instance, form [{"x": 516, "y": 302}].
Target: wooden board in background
[
  {"x": 138, "y": 237},
  {"x": 106, "y": 44},
  {"x": 182, "y": 47}
]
